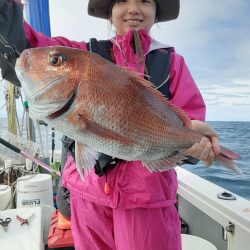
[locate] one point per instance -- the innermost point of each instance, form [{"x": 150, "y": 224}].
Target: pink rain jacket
[{"x": 119, "y": 220}]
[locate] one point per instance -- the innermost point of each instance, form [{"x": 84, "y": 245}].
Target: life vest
[{"x": 158, "y": 66}]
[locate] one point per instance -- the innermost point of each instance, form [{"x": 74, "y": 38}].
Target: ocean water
[
  {"x": 233, "y": 135},
  {"x": 236, "y": 137}
]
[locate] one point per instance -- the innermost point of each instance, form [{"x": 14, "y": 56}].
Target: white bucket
[
  {"x": 5, "y": 197},
  {"x": 34, "y": 190}
]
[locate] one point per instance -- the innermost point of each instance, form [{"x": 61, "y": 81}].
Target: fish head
[{"x": 49, "y": 77}]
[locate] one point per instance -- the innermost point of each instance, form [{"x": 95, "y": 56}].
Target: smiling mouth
[{"x": 133, "y": 21}]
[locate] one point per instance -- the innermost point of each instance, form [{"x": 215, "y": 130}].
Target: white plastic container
[
  {"x": 5, "y": 197},
  {"x": 34, "y": 190},
  {"x": 191, "y": 242},
  {"x": 28, "y": 164}
]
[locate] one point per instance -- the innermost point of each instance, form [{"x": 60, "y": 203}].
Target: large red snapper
[{"x": 106, "y": 109}]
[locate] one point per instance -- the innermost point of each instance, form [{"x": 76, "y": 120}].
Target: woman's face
[{"x": 133, "y": 14}]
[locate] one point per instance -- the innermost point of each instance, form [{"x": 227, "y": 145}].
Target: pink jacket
[{"x": 132, "y": 185}]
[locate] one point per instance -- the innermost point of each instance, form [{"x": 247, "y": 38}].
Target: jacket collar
[
  {"x": 125, "y": 42},
  {"x": 124, "y": 51}
]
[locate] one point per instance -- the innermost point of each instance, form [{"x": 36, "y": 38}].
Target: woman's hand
[{"x": 208, "y": 147}]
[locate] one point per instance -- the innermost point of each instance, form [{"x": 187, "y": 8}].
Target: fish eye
[{"x": 57, "y": 60}]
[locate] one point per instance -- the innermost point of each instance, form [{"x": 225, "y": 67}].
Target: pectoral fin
[
  {"x": 85, "y": 158},
  {"x": 105, "y": 132}
]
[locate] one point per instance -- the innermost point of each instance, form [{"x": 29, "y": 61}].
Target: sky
[{"x": 213, "y": 36}]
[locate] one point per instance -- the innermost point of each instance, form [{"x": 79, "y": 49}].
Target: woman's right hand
[{"x": 208, "y": 146}]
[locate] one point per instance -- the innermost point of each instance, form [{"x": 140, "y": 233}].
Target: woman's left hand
[{"x": 208, "y": 147}]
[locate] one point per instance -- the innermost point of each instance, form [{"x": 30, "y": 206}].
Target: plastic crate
[{"x": 59, "y": 238}]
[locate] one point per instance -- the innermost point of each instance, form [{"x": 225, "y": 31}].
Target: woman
[{"x": 137, "y": 210}]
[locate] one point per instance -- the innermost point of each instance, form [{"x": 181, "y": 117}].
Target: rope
[
  {"x": 139, "y": 52},
  {"x": 230, "y": 238}
]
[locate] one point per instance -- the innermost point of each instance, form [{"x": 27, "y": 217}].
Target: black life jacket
[{"x": 158, "y": 66}]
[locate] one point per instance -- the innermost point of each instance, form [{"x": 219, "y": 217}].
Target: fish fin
[
  {"x": 133, "y": 73},
  {"x": 228, "y": 163},
  {"x": 165, "y": 163},
  {"x": 150, "y": 87},
  {"x": 226, "y": 157},
  {"x": 228, "y": 153},
  {"x": 105, "y": 132},
  {"x": 85, "y": 158}
]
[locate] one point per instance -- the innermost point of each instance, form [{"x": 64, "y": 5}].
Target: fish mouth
[{"x": 65, "y": 108}]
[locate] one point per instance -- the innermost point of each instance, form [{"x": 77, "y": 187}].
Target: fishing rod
[
  {"x": 26, "y": 155},
  {"x": 53, "y": 144}
]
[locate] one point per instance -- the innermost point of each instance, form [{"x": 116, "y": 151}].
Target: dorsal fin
[{"x": 150, "y": 87}]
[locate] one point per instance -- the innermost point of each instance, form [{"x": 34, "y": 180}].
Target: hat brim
[{"x": 168, "y": 9}]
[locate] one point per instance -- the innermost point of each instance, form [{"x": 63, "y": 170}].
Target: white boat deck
[{"x": 233, "y": 216}]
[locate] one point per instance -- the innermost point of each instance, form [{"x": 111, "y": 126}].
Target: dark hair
[
  {"x": 111, "y": 5},
  {"x": 157, "y": 11}
]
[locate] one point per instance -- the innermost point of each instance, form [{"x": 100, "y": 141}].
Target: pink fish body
[{"x": 105, "y": 109}]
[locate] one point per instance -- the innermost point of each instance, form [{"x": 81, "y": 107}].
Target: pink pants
[{"x": 98, "y": 227}]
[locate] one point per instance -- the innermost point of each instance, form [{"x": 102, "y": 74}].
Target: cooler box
[
  {"x": 59, "y": 239},
  {"x": 25, "y": 237}
]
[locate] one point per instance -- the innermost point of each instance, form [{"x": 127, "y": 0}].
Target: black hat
[{"x": 167, "y": 9}]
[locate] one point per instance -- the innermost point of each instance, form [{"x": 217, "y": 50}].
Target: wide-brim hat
[{"x": 168, "y": 9}]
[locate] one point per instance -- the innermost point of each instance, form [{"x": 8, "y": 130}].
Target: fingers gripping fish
[{"x": 106, "y": 109}]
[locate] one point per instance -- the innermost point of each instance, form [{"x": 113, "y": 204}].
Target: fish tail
[
  {"x": 228, "y": 163},
  {"x": 228, "y": 153}
]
